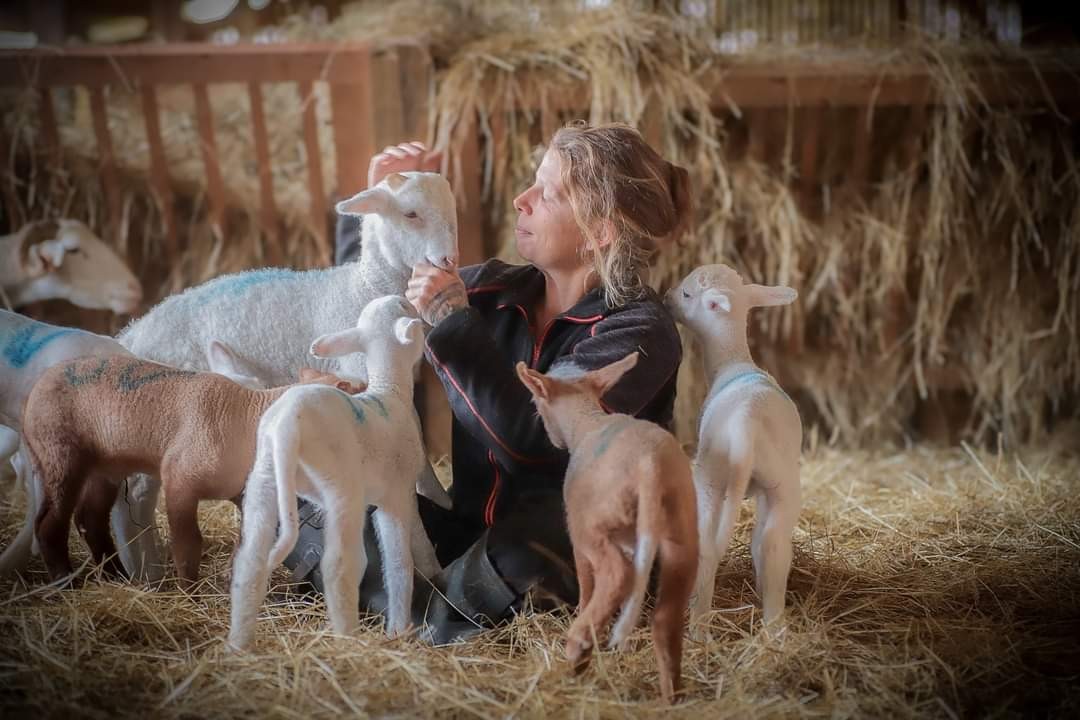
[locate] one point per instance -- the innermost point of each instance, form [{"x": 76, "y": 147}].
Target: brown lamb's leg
[
  {"x": 61, "y": 481},
  {"x": 92, "y": 519},
  {"x": 182, "y": 507},
  {"x": 678, "y": 569},
  {"x": 612, "y": 578}
]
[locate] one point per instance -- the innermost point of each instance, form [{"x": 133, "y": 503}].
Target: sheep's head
[
  {"x": 714, "y": 294},
  {"x": 388, "y": 328},
  {"x": 418, "y": 213},
  {"x": 64, "y": 259},
  {"x": 556, "y": 395}
]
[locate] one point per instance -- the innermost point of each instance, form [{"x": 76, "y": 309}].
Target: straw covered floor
[{"x": 929, "y": 583}]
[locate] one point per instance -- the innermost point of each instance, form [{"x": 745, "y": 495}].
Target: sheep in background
[
  {"x": 750, "y": 436},
  {"x": 271, "y": 316},
  {"x": 342, "y": 453},
  {"x": 90, "y": 419},
  {"x": 63, "y": 259},
  {"x": 629, "y": 496}
]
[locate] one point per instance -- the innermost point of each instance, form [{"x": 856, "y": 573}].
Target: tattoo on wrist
[{"x": 445, "y": 302}]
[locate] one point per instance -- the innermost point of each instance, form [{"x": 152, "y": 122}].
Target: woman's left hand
[{"x": 435, "y": 293}]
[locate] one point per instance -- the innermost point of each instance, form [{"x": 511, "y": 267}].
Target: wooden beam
[
  {"x": 215, "y": 186},
  {"x": 159, "y": 172},
  {"x": 180, "y": 63},
  {"x": 316, "y": 191},
  {"x": 267, "y": 207},
  {"x": 106, "y": 160}
]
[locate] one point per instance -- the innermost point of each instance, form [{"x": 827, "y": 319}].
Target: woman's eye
[
  {"x": 411, "y": 215},
  {"x": 685, "y": 294}
]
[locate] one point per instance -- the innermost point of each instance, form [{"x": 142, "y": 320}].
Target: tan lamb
[
  {"x": 95, "y": 418},
  {"x": 629, "y": 496}
]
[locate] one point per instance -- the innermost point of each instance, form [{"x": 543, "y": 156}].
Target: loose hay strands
[{"x": 936, "y": 583}]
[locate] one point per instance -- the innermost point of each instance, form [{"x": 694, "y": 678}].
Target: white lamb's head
[
  {"x": 419, "y": 217},
  {"x": 66, "y": 260},
  {"x": 388, "y": 329},
  {"x": 714, "y": 295}
]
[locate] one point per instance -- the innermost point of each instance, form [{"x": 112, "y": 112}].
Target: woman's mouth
[{"x": 521, "y": 232}]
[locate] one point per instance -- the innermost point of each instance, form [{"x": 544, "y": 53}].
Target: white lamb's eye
[
  {"x": 411, "y": 215},
  {"x": 685, "y": 294}
]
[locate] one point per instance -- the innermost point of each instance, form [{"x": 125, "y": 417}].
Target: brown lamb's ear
[
  {"x": 604, "y": 378},
  {"x": 533, "y": 381},
  {"x": 395, "y": 181}
]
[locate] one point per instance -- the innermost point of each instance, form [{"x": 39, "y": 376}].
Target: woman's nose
[{"x": 521, "y": 204}]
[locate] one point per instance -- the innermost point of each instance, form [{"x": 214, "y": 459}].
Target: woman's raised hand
[{"x": 412, "y": 155}]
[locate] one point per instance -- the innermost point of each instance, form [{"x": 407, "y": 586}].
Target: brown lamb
[
  {"x": 93, "y": 419},
  {"x": 629, "y": 497}
]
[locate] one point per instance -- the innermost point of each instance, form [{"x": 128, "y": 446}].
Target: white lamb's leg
[
  {"x": 9, "y": 445},
  {"x": 250, "y": 574},
  {"x": 343, "y": 564},
  {"x": 423, "y": 552},
  {"x": 778, "y": 513},
  {"x": 709, "y": 500},
  {"x": 397, "y": 564},
  {"x": 135, "y": 527},
  {"x": 16, "y": 555}
]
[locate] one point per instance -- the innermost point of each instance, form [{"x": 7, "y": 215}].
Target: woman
[{"x": 602, "y": 204}]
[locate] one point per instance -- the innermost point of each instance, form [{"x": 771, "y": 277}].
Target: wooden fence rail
[{"x": 347, "y": 70}]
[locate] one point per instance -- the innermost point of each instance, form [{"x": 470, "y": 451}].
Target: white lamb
[
  {"x": 749, "y": 437},
  {"x": 63, "y": 259},
  {"x": 342, "y": 453},
  {"x": 270, "y": 317}
]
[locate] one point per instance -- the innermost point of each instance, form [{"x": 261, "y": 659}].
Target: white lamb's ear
[
  {"x": 339, "y": 343},
  {"x": 374, "y": 201},
  {"x": 224, "y": 361},
  {"x": 716, "y": 301},
  {"x": 409, "y": 330},
  {"x": 769, "y": 295},
  {"x": 395, "y": 181}
]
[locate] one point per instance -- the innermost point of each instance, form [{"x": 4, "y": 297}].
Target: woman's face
[{"x": 547, "y": 234}]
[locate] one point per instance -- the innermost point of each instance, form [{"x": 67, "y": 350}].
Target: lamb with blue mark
[
  {"x": 342, "y": 459},
  {"x": 749, "y": 438},
  {"x": 270, "y": 317}
]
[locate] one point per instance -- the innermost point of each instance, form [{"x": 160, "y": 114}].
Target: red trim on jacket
[
  {"x": 489, "y": 507},
  {"x": 496, "y": 438},
  {"x": 485, "y": 288}
]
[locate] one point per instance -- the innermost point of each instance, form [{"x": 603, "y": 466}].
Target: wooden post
[
  {"x": 159, "y": 172},
  {"x": 107, "y": 162},
  {"x": 267, "y": 208},
  {"x": 215, "y": 187},
  {"x": 316, "y": 191},
  {"x": 354, "y": 132},
  {"x": 467, "y": 187}
]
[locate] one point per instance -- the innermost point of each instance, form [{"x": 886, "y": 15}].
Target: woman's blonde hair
[{"x": 628, "y": 201}]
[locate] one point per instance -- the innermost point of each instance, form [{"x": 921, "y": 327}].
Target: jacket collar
[{"x": 523, "y": 293}]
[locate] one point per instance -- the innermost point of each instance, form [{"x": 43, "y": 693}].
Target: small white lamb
[
  {"x": 63, "y": 259},
  {"x": 749, "y": 437},
  {"x": 269, "y": 317},
  {"x": 343, "y": 453}
]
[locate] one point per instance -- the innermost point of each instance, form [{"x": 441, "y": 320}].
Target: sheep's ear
[
  {"x": 47, "y": 255},
  {"x": 374, "y": 201},
  {"x": 223, "y": 360},
  {"x": 409, "y": 330},
  {"x": 395, "y": 181},
  {"x": 716, "y": 301},
  {"x": 533, "y": 381},
  {"x": 769, "y": 295},
  {"x": 605, "y": 378},
  {"x": 337, "y": 344}
]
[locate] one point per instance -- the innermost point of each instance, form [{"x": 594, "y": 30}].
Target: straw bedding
[{"x": 930, "y": 583}]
